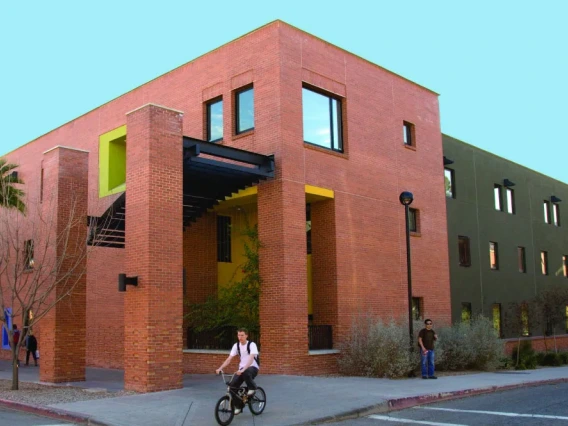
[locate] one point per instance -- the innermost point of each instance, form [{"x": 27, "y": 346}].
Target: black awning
[{"x": 211, "y": 172}]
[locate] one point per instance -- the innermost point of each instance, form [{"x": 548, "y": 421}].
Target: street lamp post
[{"x": 406, "y": 199}]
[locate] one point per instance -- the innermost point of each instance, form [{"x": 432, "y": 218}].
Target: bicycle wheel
[
  {"x": 223, "y": 411},
  {"x": 257, "y": 403}
]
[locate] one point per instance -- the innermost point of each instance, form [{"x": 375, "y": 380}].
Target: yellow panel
[
  {"x": 315, "y": 193},
  {"x": 242, "y": 198},
  {"x": 112, "y": 162}
]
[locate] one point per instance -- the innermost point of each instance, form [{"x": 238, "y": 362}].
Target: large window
[
  {"x": 493, "y": 255},
  {"x": 510, "y": 201},
  {"x": 322, "y": 120},
  {"x": 223, "y": 239},
  {"x": 449, "y": 180},
  {"x": 556, "y": 214},
  {"x": 244, "y": 109},
  {"x": 466, "y": 312},
  {"x": 544, "y": 262},
  {"x": 522, "y": 259},
  {"x": 496, "y": 311},
  {"x": 215, "y": 120},
  {"x": 464, "y": 253},
  {"x": 498, "y": 198},
  {"x": 546, "y": 207}
]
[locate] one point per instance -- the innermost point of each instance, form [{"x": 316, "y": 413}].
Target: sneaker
[
  {"x": 432, "y": 377},
  {"x": 237, "y": 411},
  {"x": 424, "y": 377},
  {"x": 251, "y": 392}
]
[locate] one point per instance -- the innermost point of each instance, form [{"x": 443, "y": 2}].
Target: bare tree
[
  {"x": 42, "y": 259},
  {"x": 550, "y": 311},
  {"x": 516, "y": 322}
]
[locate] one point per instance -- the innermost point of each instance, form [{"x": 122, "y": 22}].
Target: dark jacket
[{"x": 32, "y": 343}]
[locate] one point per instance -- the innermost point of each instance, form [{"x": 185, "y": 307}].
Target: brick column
[
  {"x": 284, "y": 295},
  {"x": 154, "y": 244},
  {"x": 324, "y": 265},
  {"x": 65, "y": 199}
]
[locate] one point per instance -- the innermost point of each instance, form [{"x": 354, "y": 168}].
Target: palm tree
[{"x": 10, "y": 196}]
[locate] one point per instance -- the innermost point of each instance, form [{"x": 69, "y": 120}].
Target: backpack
[{"x": 256, "y": 358}]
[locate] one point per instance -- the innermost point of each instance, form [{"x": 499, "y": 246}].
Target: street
[
  {"x": 531, "y": 406},
  {"x": 20, "y": 418}
]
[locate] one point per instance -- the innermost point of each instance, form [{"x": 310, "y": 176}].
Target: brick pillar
[
  {"x": 324, "y": 265},
  {"x": 154, "y": 244},
  {"x": 65, "y": 199},
  {"x": 284, "y": 295}
]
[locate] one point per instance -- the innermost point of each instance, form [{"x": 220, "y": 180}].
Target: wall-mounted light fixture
[
  {"x": 507, "y": 183},
  {"x": 447, "y": 161},
  {"x": 123, "y": 281},
  {"x": 555, "y": 199}
]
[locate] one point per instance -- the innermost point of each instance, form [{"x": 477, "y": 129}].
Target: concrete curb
[
  {"x": 53, "y": 413},
  {"x": 413, "y": 401}
]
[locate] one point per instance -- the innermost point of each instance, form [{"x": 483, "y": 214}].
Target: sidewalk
[{"x": 291, "y": 400}]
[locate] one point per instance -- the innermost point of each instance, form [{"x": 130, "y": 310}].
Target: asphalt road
[
  {"x": 20, "y": 418},
  {"x": 530, "y": 406}
]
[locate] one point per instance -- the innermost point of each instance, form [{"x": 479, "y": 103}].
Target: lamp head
[{"x": 406, "y": 198}]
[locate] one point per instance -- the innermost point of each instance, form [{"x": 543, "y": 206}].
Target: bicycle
[{"x": 225, "y": 410}]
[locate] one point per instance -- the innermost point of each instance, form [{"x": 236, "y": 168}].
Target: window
[
  {"x": 28, "y": 254},
  {"x": 223, "y": 239},
  {"x": 416, "y": 308},
  {"x": 413, "y": 220},
  {"x": 322, "y": 120},
  {"x": 112, "y": 162},
  {"x": 565, "y": 265},
  {"x": 493, "y": 255},
  {"x": 546, "y": 206},
  {"x": 566, "y": 318},
  {"x": 408, "y": 133},
  {"x": 309, "y": 227},
  {"x": 466, "y": 312},
  {"x": 449, "y": 175},
  {"x": 244, "y": 109},
  {"x": 544, "y": 262},
  {"x": 215, "y": 120},
  {"x": 556, "y": 214},
  {"x": 496, "y": 310},
  {"x": 497, "y": 195},
  {"x": 510, "y": 200},
  {"x": 522, "y": 259},
  {"x": 463, "y": 246},
  {"x": 525, "y": 319}
]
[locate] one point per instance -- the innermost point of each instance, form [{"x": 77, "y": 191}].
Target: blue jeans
[{"x": 427, "y": 363}]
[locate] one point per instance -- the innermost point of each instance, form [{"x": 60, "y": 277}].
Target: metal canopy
[{"x": 211, "y": 173}]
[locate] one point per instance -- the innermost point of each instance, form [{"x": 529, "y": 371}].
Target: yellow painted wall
[{"x": 112, "y": 162}]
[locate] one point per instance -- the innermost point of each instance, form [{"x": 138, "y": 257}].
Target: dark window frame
[
  {"x": 465, "y": 257},
  {"x": 417, "y": 308},
  {"x": 499, "y": 189},
  {"x": 408, "y": 134},
  {"x": 494, "y": 266},
  {"x": 238, "y": 92},
  {"x": 414, "y": 213},
  {"x": 335, "y": 147},
  {"x": 224, "y": 252},
  {"x": 309, "y": 228},
  {"x": 522, "y": 259},
  {"x": 208, "y": 106},
  {"x": 452, "y": 182}
]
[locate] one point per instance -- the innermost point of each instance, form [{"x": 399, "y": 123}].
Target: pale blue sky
[{"x": 500, "y": 66}]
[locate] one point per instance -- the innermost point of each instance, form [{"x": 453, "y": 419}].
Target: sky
[{"x": 500, "y": 67}]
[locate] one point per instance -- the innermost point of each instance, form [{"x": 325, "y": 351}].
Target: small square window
[
  {"x": 544, "y": 262},
  {"x": 498, "y": 197},
  {"x": 493, "y": 255},
  {"x": 214, "y": 109},
  {"x": 464, "y": 252},
  {"x": 522, "y": 259},
  {"x": 413, "y": 220},
  {"x": 466, "y": 312},
  {"x": 546, "y": 207},
  {"x": 449, "y": 180},
  {"x": 244, "y": 109},
  {"x": 408, "y": 133},
  {"x": 510, "y": 200},
  {"x": 556, "y": 214}
]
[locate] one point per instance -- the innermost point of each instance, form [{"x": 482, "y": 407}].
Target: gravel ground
[{"x": 36, "y": 394}]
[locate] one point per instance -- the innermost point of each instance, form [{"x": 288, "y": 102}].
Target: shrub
[
  {"x": 527, "y": 359},
  {"x": 564, "y": 357},
  {"x": 552, "y": 359},
  {"x": 540, "y": 358},
  {"x": 376, "y": 349},
  {"x": 472, "y": 345}
]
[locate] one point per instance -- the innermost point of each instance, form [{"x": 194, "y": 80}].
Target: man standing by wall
[{"x": 426, "y": 339}]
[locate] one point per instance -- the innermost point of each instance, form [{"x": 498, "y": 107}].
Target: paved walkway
[{"x": 291, "y": 400}]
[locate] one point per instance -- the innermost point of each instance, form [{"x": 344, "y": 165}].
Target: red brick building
[{"x": 331, "y": 130}]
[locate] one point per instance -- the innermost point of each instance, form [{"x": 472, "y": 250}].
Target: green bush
[
  {"x": 540, "y": 358},
  {"x": 527, "y": 359},
  {"x": 552, "y": 359},
  {"x": 376, "y": 349},
  {"x": 472, "y": 345},
  {"x": 564, "y": 357}
]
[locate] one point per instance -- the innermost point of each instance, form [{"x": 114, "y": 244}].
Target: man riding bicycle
[{"x": 248, "y": 366}]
